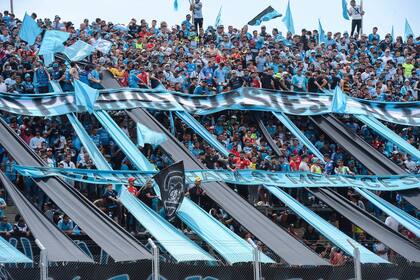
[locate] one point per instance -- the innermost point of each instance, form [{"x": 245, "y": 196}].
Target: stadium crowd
[{"x": 210, "y": 61}]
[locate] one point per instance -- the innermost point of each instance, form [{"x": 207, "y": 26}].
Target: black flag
[
  {"x": 268, "y": 14},
  {"x": 171, "y": 181}
]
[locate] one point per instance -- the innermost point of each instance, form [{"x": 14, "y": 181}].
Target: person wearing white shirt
[
  {"x": 380, "y": 249},
  {"x": 392, "y": 223},
  {"x": 356, "y": 13},
  {"x": 3, "y": 86},
  {"x": 36, "y": 142}
]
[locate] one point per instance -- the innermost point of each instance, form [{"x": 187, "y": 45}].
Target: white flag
[{"x": 102, "y": 45}]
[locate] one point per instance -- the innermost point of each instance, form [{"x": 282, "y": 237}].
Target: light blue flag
[
  {"x": 218, "y": 18},
  {"x": 102, "y": 45},
  {"x": 85, "y": 95},
  {"x": 392, "y": 34},
  {"x": 176, "y": 5},
  {"x": 407, "y": 30},
  {"x": 78, "y": 50},
  {"x": 53, "y": 42},
  {"x": 29, "y": 30},
  {"x": 339, "y": 102},
  {"x": 288, "y": 20},
  {"x": 147, "y": 136},
  {"x": 321, "y": 31},
  {"x": 345, "y": 11},
  {"x": 48, "y": 58}
]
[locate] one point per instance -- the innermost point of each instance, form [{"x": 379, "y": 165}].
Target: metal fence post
[
  {"x": 155, "y": 261},
  {"x": 257, "y": 262},
  {"x": 356, "y": 258},
  {"x": 43, "y": 260}
]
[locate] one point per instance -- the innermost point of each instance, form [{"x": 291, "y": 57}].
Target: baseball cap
[{"x": 131, "y": 179}]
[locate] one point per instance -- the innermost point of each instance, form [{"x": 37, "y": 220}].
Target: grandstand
[{"x": 301, "y": 153}]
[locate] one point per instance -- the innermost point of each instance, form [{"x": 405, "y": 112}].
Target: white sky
[{"x": 381, "y": 13}]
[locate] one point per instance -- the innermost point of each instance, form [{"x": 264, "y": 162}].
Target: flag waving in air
[
  {"x": 288, "y": 19},
  {"x": 218, "y": 18},
  {"x": 407, "y": 30},
  {"x": 345, "y": 11},
  {"x": 29, "y": 30},
  {"x": 171, "y": 181},
  {"x": 268, "y": 14}
]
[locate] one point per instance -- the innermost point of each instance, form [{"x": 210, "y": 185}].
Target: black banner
[
  {"x": 142, "y": 271},
  {"x": 171, "y": 181}
]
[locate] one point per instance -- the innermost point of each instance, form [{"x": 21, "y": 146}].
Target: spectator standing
[
  {"x": 356, "y": 13},
  {"x": 197, "y": 10}
]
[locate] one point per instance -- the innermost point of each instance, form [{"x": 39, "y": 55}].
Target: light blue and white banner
[
  {"x": 241, "y": 177},
  {"x": 291, "y": 103}
]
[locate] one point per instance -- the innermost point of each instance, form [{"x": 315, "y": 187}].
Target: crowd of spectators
[{"x": 210, "y": 61}]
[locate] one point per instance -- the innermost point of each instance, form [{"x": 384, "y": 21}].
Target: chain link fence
[{"x": 105, "y": 268}]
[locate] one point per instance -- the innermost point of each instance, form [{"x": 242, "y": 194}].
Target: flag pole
[
  {"x": 361, "y": 12},
  {"x": 192, "y": 13},
  {"x": 11, "y": 6}
]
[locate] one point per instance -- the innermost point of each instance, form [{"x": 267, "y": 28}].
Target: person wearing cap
[
  {"x": 315, "y": 167},
  {"x": 196, "y": 192},
  {"x": 57, "y": 25},
  {"x": 202, "y": 89},
  {"x": 131, "y": 187},
  {"x": 27, "y": 85}
]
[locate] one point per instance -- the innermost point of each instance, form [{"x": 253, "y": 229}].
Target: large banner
[
  {"x": 292, "y": 103},
  {"x": 241, "y": 177}
]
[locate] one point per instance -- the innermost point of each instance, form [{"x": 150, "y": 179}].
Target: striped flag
[{"x": 268, "y": 14}]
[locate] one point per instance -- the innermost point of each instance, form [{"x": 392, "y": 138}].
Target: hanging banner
[
  {"x": 171, "y": 181},
  {"x": 241, "y": 177},
  {"x": 291, "y": 103}
]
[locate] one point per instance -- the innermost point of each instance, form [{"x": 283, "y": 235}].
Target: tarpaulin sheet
[
  {"x": 267, "y": 135},
  {"x": 299, "y": 134},
  {"x": 278, "y": 240},
  {"x": 369, "y": 224},
  {"x": 59, "y": 246},
  {"x": 203, "y": 132},
  {"x": 409, "y": 222},
  {"x": 9, "y": 254},
  {"x": 371, "y": 158},
  {"x": 197, "y": 220},
  {"x": 329, "y": 231},
  {"x": 390, "y": 135},
  {"x": 117, "y": 242},
  {"x": 174, "y": 242}
]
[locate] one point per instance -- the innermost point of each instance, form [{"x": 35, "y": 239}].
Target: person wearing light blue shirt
[
  {"x": 2, "y": 204},
  {"x": 374, "y": 35},
  {"x": 299, "y": 81},
  {"x": 220, "y": 77},
  {"x": 187, "y": 22},
  {"x": 66, "y": 225}
]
